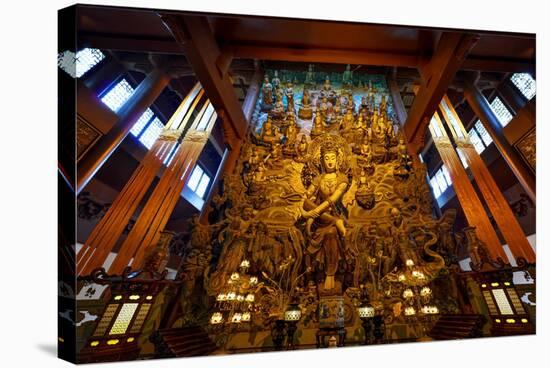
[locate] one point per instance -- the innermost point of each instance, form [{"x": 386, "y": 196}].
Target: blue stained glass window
[
  {"x": 118, "y": 95},
  {"x": 525, "y": 83},
  {"x": 502, "y": 113},
  {"x": 78, "y": 65}
]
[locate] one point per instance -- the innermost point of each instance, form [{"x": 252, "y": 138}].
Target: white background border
[{"x": 28, "y": 207}]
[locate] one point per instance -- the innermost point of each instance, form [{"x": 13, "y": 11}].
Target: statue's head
[
  {"x": 329, "y": 157},
  {"x": 395, "y": 214}
]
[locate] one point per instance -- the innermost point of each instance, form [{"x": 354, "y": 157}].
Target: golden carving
[{"x": 326, "y": 207}]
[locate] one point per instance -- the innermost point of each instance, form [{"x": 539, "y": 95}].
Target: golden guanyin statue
[
  {"x": 323, "y": 211},
  {"x": 331, "y": 196}
]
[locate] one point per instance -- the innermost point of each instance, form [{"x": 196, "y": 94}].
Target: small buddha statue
[
  {"x": 301, "y": 149},
  {"x": 364, "y": 102},
  {"x": 305, "y": 112},
  {"x": 268, "y": 132},
  {"x": 276, "y": 152},
  {"x": 347, "y": 77},
  {"x": 267, "y": 94},
  {"x": 366, "y": 149},
  {"x": 254, "y": 158},
  {"x": 347, "y": 120},
  {"x": 289, "y": 93},
  {"x": 383, "y": 105},
  {"x": 374, "y": 119},
  {"x": 329, "y": 113},
  {"x": 278, "y": 110},
  {"x": 310, "y": 77},
  {"x": 403, "y": 154},
  {"x": 327, "y": 86},
  {"x": 338, "y": 107},
  {"x": 351, "y": 105},
  {"x": 291, "y": 132},
  {"x": 317, "y": 127},
  {"x": 276, "y": 82},
  {"x": 322, "y": 107}
]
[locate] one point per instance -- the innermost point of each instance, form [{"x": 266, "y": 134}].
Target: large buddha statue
[{"x": 324, "y": 213}]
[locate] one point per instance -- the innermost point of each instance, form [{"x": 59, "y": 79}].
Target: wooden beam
[
  {"x": 319, "y": 55},
  {"x": 194, "y": 35},
  {"x": 162, "y": 45},
  {"x": 437, "y": 75},
  {"x": 107, "y": 41},
  {"x": 499, "y": 65}
]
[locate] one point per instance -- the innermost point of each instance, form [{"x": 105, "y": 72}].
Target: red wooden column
[
  {"x": 109, "y": 229},
  {"x": 498, "y": 205},
  {"x": 465, "y": 192},
  {"x": 159, "y": 207},
  {"x": 483, "y": 111},
  {"x": 143, "y": 97}
]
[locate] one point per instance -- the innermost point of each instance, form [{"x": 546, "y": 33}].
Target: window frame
[
  {"x": 517, "y": 89},
  {"x": 204, "y": 172},
  {"x": 505, "y": 104}
]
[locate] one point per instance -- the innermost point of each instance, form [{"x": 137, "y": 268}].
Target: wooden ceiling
[{"x": 141, "y": 30}]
